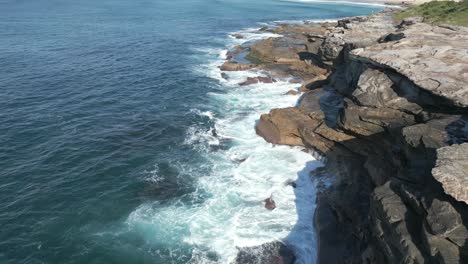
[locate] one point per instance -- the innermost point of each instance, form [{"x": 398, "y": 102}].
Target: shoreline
[{"x": 345, "y": 123}]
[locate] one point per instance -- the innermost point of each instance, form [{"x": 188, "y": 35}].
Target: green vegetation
[{"x": 438, "y": 12}]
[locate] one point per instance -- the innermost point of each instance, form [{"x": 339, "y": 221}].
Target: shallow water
[{"x": 120, "y": 143}]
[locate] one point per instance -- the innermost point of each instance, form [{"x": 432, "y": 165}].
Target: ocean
[{"x": 121, "y": 143}]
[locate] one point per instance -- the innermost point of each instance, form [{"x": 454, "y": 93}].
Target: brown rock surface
[{"x": 232, "y": 66}]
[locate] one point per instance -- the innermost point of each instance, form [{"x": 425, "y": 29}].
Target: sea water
[{"x": 121, "y": 143}]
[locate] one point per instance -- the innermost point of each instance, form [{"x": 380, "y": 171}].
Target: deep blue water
[{"x": 97, "y": 101}]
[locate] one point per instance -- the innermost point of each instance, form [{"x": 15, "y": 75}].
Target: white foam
[
  {"x": 359, "y": 3},
  {"x": 242, "y": 176}
]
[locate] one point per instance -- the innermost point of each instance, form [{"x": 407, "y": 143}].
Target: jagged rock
[
  {"x": 369, "y": 121},
  {"x": 391, "y": 37},
  {"x": 379, "y": 129},
  {"x": 281, "y": 126},
  {"x": 375, "y": 89},
  {"x": 274, "y": 252},
  {"x": 356, "y": 32},
  {"x": 393, "y": 226},
  {"x": 331, "y": 47},
  {"x": 439, "y": 66},
  {"x": 292, "y": 92},
  {"x": 451, "y": 170},
  {"x": 310, "y": 101},
  {"x": 314, "y": 83},
  {"x": 237, "y": 36},
  {"x": 258, "y": 79},
  {"x": 232, "y": 66}
]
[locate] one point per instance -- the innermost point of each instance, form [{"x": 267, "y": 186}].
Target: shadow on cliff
[
  {"x": 345, "y": 217},
  {"x": 305, "y": 207}
]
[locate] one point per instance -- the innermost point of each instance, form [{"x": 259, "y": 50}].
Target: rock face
[
  {"x": 451, "y": 170},
  {"x": 391, "y": 117},
  {"x": 439, "y": 66}
]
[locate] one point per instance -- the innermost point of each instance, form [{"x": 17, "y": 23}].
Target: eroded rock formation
[{"x": 390, "y": 114}]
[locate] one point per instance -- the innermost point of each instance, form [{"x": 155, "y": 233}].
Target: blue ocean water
[{"x": 120, "y": 143}]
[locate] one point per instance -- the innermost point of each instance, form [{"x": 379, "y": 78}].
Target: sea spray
[{"x": 245, "y": 170}]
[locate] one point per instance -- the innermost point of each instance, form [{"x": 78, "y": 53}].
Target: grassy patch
[{"x": 438, "y": 12}]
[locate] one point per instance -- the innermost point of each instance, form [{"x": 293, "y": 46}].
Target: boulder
[
  {"x": 451, "y": 170},
  {"x": 258, "y": 79},
  {"x": 273, "y": 252},
  {"x": 292, "y": 92}
]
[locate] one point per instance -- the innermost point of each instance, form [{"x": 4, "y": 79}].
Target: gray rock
[
  {"x": 274, "y": 252},
  {"x": 434, "y": 58},
  {"x": 451, "y": 170},
  {"x": 375, "y": 89}
]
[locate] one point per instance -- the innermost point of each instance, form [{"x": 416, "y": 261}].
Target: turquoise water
[{"x": 107, "y": 150}]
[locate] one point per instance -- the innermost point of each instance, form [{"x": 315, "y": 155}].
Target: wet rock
[
  {"x": 292, "y": 92},
  {"x": 224, "y": 76},
  {"x": 237, "y": 36},
  {"x": 232, "y": 66},
  {"x": 451, "y": 170},
  {"x": 258, "y": 79},
  {"x": 273, "y": 252},
  {"x": 270, "y": 204}
]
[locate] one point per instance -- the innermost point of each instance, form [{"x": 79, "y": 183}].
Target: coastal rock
[
  {"x": 232, "y": 66},
  {"x": 375, "y": 89},
  {"x": 451, "y": 170},
  {"x": 310, "y": 101},
  {"x": 393, "y": 226},
  {"x": 382, "y": 127},
  {"x": 391, "y": 37},
  {"x": 277, "y": 49},
  {"x": 314, "y": 83},
  {"x": 439, "y": 66},
  {"x": 273, "y": 252},
  {"x": 368, "y": 121},
  {"x": 292, "y": 92},
  {"x": 258, "y": 79},
  {"x": 281, "y": 126}
]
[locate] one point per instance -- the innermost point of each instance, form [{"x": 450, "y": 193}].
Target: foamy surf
[
  {"x": 358, "y": 3},
  {"x": 245, "y": 170}
]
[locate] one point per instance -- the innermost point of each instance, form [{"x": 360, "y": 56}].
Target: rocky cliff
[{"x": 387, "y": 104}]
